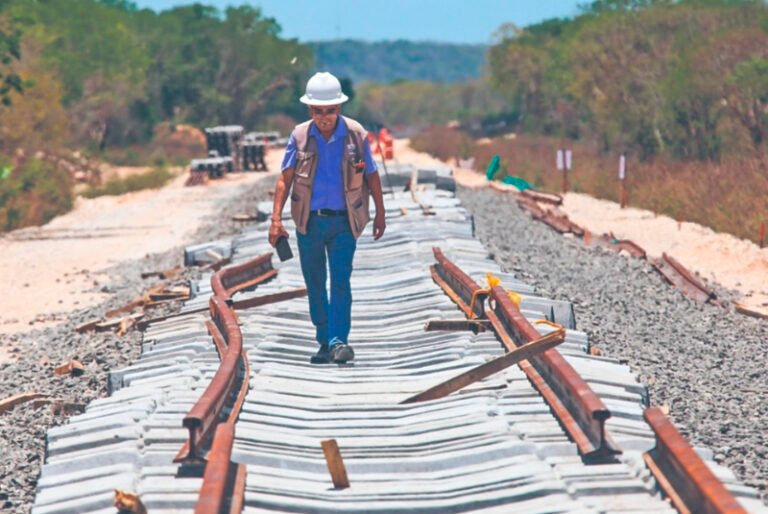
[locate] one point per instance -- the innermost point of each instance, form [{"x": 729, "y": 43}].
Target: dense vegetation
[
  {"x": 103, "y": 75},
  {"x": 685, "y": 79},
  {"x": 681, "y": 86},
  {"x": 385, "y": 62}
]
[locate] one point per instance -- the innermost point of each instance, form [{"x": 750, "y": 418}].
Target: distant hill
[{"x": 392, "y": 61}]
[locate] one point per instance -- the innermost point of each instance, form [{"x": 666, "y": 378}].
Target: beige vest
[{"x": 356, "y": 191}]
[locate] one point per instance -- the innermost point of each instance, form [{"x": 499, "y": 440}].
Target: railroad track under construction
[{"x": 470, "y": 393}]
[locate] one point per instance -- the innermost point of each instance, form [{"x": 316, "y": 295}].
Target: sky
[{"x": 453, "y": 21}]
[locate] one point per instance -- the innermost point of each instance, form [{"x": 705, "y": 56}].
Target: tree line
[
  {"x": 384, "y": 62},
  {"x": 105, "y": 73},
  {"x": 104, "y": 79},
  {"x": 686, "y": 79}
]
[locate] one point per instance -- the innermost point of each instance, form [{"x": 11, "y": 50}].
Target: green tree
[
  {"x": 97, "y": 54},
  {"x": 10, "y": 51}
]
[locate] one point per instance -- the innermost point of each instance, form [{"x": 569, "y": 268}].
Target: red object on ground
[
  {"x": 387, "y": 142},
  {"x": 372, "y": 143}
]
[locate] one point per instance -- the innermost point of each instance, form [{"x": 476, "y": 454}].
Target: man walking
[{"x": 329, "y": 172}]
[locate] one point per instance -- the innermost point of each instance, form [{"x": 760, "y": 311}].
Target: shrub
[
  {"x": 33, "y": 194},
  {"x": 728, "y": 196},
  {"x": 153, "y": 179}
]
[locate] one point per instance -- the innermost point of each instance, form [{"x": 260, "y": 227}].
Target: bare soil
[{"x": 51, "y": 270}]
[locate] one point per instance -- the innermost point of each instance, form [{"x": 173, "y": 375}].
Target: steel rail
[
  {"x": 228, "y": 281},
  {"x": 682, "y": 474},
  {"x": 223, "y": 488},
  {"x": 461, "y": 285},
  {"x": 559, "y": 222},
  {"x": 580, "y": 411},
  {"x": 586, "y": 412},
  {"x": 677, "y": 275},
  {"x": 540, "y": 196},
  {"x": 612, "y": 243},
  {"x": 202, "y": 418}
]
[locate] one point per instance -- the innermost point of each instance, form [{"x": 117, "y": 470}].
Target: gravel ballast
[
  {"x": 709, "y": 365},
  {"x": 23, "y": 428}
]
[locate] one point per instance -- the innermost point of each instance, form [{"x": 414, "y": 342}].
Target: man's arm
[
  {"x": 282, "y": 188},
  {"x": 379, "y": 223}
]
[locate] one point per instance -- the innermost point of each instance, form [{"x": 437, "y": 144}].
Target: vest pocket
[
  {"x": 304, "y": 161},
  {"x": 358, "y": 209},
  {"x": 354, "y": 178},
  {"x": 300, "y": 198}
]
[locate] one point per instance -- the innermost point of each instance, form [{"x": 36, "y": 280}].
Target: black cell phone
[{"x": 283, "y": 249}]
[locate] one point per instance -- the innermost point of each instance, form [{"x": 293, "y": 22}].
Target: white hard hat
[{"x": 323, "y": 89}]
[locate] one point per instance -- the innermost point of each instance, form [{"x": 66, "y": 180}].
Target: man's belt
[{"x": 328, "y": 212}]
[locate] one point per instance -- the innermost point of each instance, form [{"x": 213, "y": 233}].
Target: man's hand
[
  {"x": 276, "y": 230},
  {"x": 379, "y": 225}
]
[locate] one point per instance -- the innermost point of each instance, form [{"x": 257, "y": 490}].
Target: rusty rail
[
  {"x": 232, "y": 279},
  {"x": 458, "y": 285},
  {"x": 682, "y": 474},
  {"x": 677, "y": 275},
  {"x": 580, "y": 411},
  {"x": 223, "y": 488},
  {"x": 558, "y": 221},
  {"x": 540, "y": 196},
  {"x": 202, "y": 419},
  {"x": 610, "y": 241}
]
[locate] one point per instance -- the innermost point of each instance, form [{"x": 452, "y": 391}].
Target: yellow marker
[
  {"x": 515, "y": 298},
  {"x": 493, "y": 281}
]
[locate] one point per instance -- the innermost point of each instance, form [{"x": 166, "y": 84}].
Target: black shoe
[
  {"x": 341, "y": 353},
  {"x": 323, "y": 355}
]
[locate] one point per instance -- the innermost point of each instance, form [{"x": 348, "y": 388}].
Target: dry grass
[
  {"x": 153, "y": 179},
  {"x": 731, "y": 196}
]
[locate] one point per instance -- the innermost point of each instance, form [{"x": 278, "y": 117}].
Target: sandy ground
[
  {"x": 54, "y": 269},
  {"x": 733, "y": 263},
  {"x": 51, "y": 270}
]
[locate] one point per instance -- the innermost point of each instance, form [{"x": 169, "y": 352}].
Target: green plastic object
[
  {"x": 5, "y": 172},
  {"x": 519, "y": 183},
  {"x": 493, "y": 167}
]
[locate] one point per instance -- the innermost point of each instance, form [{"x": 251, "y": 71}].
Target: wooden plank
[
  {"x": 139, "y": 302},
  {"x": 87, "y": 326},
  {"x": 73, "y": 367},
  {"x": 752, "y": 310},
  {"x": 335, "y": 464},
  {"x": 12, "y": 401},
  {"x": 489, "y": 368}
]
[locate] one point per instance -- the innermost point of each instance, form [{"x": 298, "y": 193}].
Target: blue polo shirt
[{"x": 328, "y": 188}]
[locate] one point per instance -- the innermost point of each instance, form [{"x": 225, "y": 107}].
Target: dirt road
[{"x": 51, "y": 270}]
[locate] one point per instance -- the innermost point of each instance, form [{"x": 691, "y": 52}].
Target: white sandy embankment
[
  {"x": 733, "y": 263},
  {"x": 52, "y": 270}
]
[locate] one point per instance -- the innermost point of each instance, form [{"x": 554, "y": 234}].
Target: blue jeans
[{"x": 331, "y": 236}]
